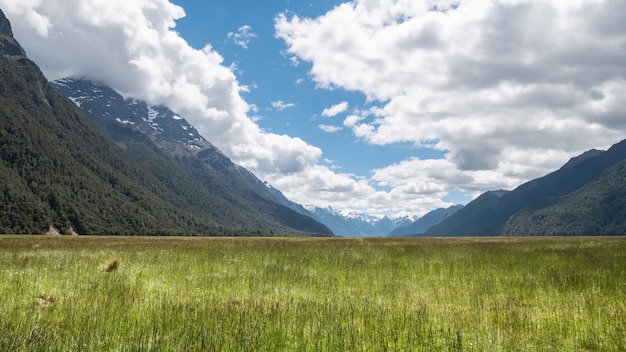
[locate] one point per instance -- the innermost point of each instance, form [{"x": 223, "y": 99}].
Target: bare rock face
[
  {"x": 5, "y": 26},
  {"x": 8, "y": 45}
]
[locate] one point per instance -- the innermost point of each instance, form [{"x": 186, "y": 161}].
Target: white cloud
[
  {"x": 24, "y": 9},
  {"x": 329, "y": 128},
  {"x": 335, "y": 109},
  {"x": 484, "y": 80},
  {"x": 281, "y": 105},
  {"x": 242, "y": 37}
]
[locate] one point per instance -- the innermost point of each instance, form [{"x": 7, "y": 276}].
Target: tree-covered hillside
[
  {"x": 598, "y": 208},
  {"x": 481, "y": 218}
]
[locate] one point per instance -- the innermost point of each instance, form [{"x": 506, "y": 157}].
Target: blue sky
[
  {"x": 263, "y": 65},
  {"x": 388, "y": 107}
]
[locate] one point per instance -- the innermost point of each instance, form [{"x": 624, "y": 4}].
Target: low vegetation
[{"x": 286, "y": 294}]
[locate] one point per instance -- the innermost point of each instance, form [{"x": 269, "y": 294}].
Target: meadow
[{"x": 311, "y": 294}]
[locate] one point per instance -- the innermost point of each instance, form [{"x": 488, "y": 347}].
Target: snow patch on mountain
[{"x": 152, "y": 113}]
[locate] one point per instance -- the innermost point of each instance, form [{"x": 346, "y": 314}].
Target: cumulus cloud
[
  {"x": 483, "y": 80},
  {"x": 335, "y": 109},
  {"x": 329, "y": 128},
  {"x": 281, "y": 105},
  {"x": 242, "y": 37},
  {"x": 23, "y": 9}
]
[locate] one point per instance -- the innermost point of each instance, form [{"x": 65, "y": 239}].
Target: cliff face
[
  {"x": 5, "y": 26},
  {"x": 8, "y": 45}
]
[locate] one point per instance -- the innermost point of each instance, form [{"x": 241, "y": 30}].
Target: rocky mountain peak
[
  {"x": 5, "y": 26},
  {"x": 8, "y": 45}
]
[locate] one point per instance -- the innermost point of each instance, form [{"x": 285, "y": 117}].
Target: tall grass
[{"x": 251, "y": 294}]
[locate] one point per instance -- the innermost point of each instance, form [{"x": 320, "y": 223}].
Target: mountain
[
  {"x": 488, "y": 214},
  {"x": 355, "y": 224},
  {"x": 422, "y": 224},
  {"x": 159, "y": 138},
  {"x": 341, "y": 223},
  {"x": 598, "y": 208},
  {"x": 469, "y": 221},
  {"x": 57, "y": 169},
  {"x": 577, "y": 159},
  {"x": 120, "y": 118}
]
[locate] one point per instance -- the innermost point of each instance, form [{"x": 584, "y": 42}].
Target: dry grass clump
[
  {"x": 47, "y": 300},
  {"x": 112, "y": 265}
]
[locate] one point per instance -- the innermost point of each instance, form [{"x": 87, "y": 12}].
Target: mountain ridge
[
  {"x": 115, "y": 114},
  {"x": 131, "y": 122},
  {"x": 596, "y": 209},
  {"x": 488, "y": 218}
]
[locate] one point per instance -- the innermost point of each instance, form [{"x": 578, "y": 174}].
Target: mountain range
[
  {"x": 356, "y": 224},
  {"x": 59, "y": 170}
]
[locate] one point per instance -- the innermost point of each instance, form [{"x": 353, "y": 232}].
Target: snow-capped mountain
[
  {"x": 156, "y": 132},
  {"x": 105, "y": 104},
  {"x": 109, "y": 110},
  {"x": 355, "y": 224},
  {"x": 168, "y": 130}
]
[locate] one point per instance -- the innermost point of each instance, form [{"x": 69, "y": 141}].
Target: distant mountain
[
  {"x": 168, "y": 142},
  {"x": 422, "y": 224},
  {"x": 488, "y": 214},
  {"x": 355, "y": 224},
  {"x": 57, "y": 169},
  {"x": 469, "y": 221}
]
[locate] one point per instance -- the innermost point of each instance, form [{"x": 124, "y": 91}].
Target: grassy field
[{"x": 289, "y": 294}]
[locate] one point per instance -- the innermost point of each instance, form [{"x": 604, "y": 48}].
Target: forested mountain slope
[
  {"x": 166, "y": 143},
  {"x": 598, "y": 208},
  {"x": 570, "y": 188}
]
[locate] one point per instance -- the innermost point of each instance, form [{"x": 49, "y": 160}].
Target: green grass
[{"x": 291, "y": 294}]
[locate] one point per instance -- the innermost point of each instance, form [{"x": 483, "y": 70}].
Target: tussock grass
[
  {"x": 47, "y": 300},
  {"x": 227, "y": 294},
  {"x": 112, "y": 265}
]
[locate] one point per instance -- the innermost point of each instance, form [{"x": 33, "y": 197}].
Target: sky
[{"x": 388, "y": 107}]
